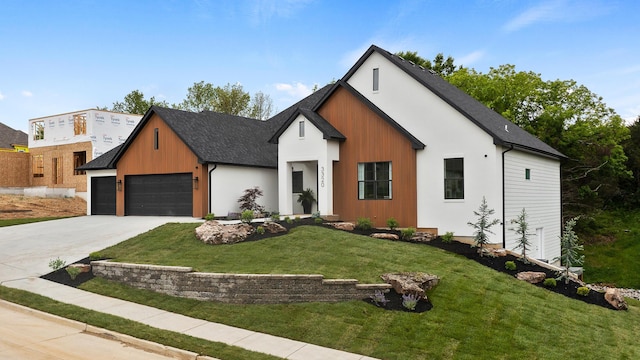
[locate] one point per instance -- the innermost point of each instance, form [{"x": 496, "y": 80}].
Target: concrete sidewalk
[{"x": 28, "y": 248}]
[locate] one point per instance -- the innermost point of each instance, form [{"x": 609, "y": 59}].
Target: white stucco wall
[
  {"x": 541, "y": 199},
  {"x": 446, "y": 134},
  {"x": 105, "y": 130},
  {"x": 228, "y": 183},
  {"x": 312, "y": 147},
  {"x": 95, "y": 173}
]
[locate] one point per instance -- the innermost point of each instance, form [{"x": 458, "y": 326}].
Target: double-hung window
[
  {"x": 374, "y": 180},
  {"x": 454, "y": 178}
]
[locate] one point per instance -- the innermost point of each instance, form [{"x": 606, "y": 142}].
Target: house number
[{"x": 322, "y": 176}]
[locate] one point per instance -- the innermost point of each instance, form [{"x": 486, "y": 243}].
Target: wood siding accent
[
  {"x": 370, "y": 139},
  {"x": 172, "y": 156}
]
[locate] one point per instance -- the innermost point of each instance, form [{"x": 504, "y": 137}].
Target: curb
[{"x": 108, "y": 334}]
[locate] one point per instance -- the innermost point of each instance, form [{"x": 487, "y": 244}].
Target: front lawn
[
  {"x": 11, "y": 222},
  {"x": 477, "y": 312}
]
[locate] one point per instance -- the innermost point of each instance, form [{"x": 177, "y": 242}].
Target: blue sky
[{"x": 62, "y": 56}]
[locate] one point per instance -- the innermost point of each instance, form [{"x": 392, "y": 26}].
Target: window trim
[
  {"x": 362, "y": 181},
  {"x": 301, "y": 129},
  {"x": 376, "y": 79},
  {"x": 527, "y": 174},
  {"x": 450, "y": 179}
]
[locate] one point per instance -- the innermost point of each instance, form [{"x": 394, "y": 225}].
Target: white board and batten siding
[
  {"x": 539, "y": 196},
  {"x": 228, "y": 183}
]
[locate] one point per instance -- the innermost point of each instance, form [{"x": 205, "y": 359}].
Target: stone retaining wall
[{"x": 234, "y": 288}]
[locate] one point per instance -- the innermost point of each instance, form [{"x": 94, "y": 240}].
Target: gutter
[
  {"x": 504, "y": 224},
  {"x": 215, "y": 166}
]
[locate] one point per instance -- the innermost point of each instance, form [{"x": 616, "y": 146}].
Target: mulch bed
[{"x": 61, "y": 275}]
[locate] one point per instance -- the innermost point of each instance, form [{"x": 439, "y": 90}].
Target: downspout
[
  {"x": 215, "y": 166},
  {"x": 504, "y": 223}
]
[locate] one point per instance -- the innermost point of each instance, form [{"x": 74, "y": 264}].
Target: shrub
[
  {"x": 296, "y": 219},
  {"x": 260, "y": 230},
  {"x": 318, "y": 220},
  {"x": 247, "y": 216},
  {"x": 73, "y": 272},
  {"x": 521, "y": 230},
  {"x": 275, "y": 216},
  {"x": 56, "y": 263},
  {"x": 392, "y": 223},
  {"x": 315, "y": 215},
  {"x": 379, "y": 298},
  {"x": 364, "y": 223},
  {"x": 407, "y": 233},
  {"x": 447, "y": 237},
  {"x": 288, "y": 220},
  {"x": 409, "y": 301},
  {"x": 482, "y": 225},
  {"x": 209, "y": 216},
  {"x": 570, "y": 248},
  {"x": 95, "y": 256},
  {"x": 510, "y": 265},
  {"x": 583, "y": 291},
  {"x": 248, "y": 200},
  {"x": 549, "y": 282}
]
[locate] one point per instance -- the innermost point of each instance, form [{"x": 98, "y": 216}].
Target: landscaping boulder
[
  {"x": 274, "y": 228},
  {"x": 212, "y": 232},
  {"x": 422, "y": 237},
  {"x": 615, "y": 298},
  {"x": 83, "y": 267},
  {"x": 532, "y": 277},
  {"x": 347, "y": 226},
  {"x": 385, "y": 236},
  {"x": 411, "y": 282}
]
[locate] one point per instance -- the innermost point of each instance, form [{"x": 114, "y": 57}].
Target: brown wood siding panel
[
  {"x": 370, "y": 139},
  {"x": 172, "y": 156}
]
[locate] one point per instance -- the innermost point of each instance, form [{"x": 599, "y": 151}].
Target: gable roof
[
  {"x": 503, "y": 131},
  {"x": 10, "y": 137},
  {"x": 215, "y": 137},
  {"x": 328, "y": 131},
  {"x": 103, "y": 161}
]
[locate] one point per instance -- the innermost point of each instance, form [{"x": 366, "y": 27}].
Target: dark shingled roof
[
  {"x": 103, "y": 161},
  {"x": 309, "y": 102},
  {"x": 10, "y": 137},
  {"x": 328, "y": 131},
  {"x": 502, "y": 130}
]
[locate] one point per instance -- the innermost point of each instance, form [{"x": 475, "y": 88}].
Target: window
[
  {"x": 37, "y": 130},
  {"x": 527, "y": 174},
  {"x": 301, "y": 129},
  {"x": 155, "y": 139},
  {"x": 80, "y": 124},
  {"x": 297, "y": 181},
  {"x": 376, "y": 79},
  {"x": 454, "y": 178},
  {"x": 374, "y": 180},
  {"x": 38, "y": 166},
  {"x": 79, "y": 159}
]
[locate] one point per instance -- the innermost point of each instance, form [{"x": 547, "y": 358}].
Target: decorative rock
[
  {"x": 385, "y": 236},
  {"x": 497, "y": 252},
  {"x": 411, "y": 282},
  {"x": 613, "y": 297},
  {"x": 422, "y": 237},
  {"x": 83, "y": 267},
  {"x": 532, "y": 277},
  {"x": 347, "y": 226},
  {"x": 274, "y": 228},
  {"x": 212, "y": 232}
]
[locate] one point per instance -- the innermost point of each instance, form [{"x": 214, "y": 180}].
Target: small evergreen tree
[
  {"x": 483, "y": 225},
  {"x": 521, "y": 230},
  {"x": 569, "y": 255}
]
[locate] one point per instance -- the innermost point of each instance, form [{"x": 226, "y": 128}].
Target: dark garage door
[
  {"x": 103, "y": 195},
  {"x": 169, "y": 194}
]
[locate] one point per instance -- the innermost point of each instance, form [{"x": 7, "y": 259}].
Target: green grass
[
  {"x": 478, "y": 313},
  {"x": 11, "y": 222},
  {"x": 124, "y": 326},
  {"x": 613, "y": 249}
]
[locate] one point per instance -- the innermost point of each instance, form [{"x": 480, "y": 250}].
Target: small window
[
  {"x": 454, "y": 178},
  {"x": 80, "y": 124},
  {"x": 38, "y": 166},
  {"x": 376, "y": 79},
  {"x": 79, "y": 159},
  {"x": 301, "y": 129},
  {"x": 155, "y": 139},
  {"x": 527, "y": 174},
  {"x": 37, "y": 130},
  {"x": 297, "y": 181},
  {"x": 374, "y": 181}
]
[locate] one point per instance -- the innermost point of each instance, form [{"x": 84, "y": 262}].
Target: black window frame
[
  {"x": 373, "y": 184},
  {"x": 454, "y": 178}
]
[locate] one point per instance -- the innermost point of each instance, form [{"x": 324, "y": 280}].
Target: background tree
[
  {"x": 440, "y": 65},
  {"x": 630, "y": 187},
  {"x": 261, "y": 106},
  {"x": 135, "y": 103},
  {"x": 230, "y": 99}
]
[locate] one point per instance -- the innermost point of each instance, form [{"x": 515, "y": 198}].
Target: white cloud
[
  {"x": 297, "y": 90},
  {"x": 557, "y": 11},
  {"x": 469, "y": 59},
  {"x": 1, "y": 96},
  {"x": 263, "y": 10},
  {"x": 26, "y": 93}
]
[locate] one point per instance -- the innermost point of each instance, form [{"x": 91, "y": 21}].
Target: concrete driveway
[{"x": 27, "y": 249}]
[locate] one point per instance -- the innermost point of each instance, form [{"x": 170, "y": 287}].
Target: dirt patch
[{"x": 19, "y": 207}]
